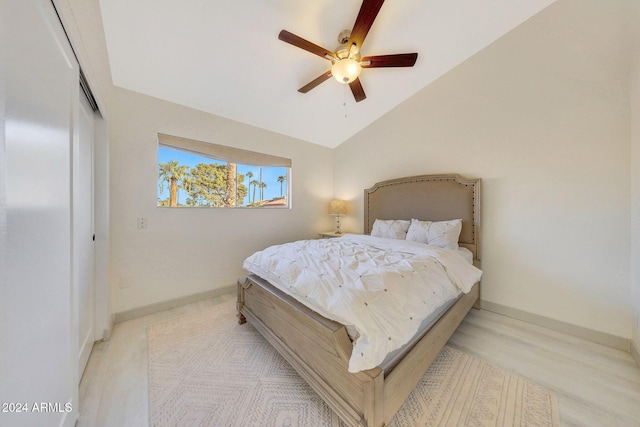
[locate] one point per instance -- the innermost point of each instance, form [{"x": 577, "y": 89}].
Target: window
[{"x": 199, "y": 174}]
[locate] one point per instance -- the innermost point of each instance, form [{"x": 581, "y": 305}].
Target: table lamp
[{"x": 337, "y": 208}]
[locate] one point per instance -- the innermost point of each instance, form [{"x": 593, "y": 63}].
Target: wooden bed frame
[{"x": 319, "y": 349}]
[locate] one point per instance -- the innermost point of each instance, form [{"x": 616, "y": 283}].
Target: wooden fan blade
[
  {"x": 399, "y": 60},
  {"x": 357, "y": 90},
  {"x": 368, "y": 12},
  {"x": 306, "y": 88},
  {"x": 291, "y": 38}
]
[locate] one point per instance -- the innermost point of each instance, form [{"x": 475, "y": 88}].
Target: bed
[{"x": 320, "y": 349}]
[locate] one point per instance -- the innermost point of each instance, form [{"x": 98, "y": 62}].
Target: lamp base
[{"x": 338, "y": 231}]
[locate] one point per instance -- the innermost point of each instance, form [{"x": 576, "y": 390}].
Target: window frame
[{"x": 222, "y": 154}]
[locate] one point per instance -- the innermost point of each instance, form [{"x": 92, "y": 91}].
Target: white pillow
[
  {"x": 444, "y": 234},
  {"x": 390, "y": 228}
]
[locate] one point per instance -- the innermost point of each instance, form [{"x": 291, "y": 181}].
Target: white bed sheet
[
  {"x": 466, "y": 254},
  {"x": 385, "y": 288}
]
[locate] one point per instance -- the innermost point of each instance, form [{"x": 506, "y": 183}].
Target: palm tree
[
  {"x": 171, "y": 173},
  {"x": 255, "y": 183},
  {"x": 249, "y": 175},
  {"x": 281, "y": 180},
  {"x": 262, "y": 186}
]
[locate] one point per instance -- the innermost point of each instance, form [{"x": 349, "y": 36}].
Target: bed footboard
[{"x": 319, "y": 350}]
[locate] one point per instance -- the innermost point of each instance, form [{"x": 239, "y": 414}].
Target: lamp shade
[{"x": 338, "y": 207}]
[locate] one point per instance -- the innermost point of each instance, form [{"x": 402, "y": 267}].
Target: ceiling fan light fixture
[{"x": 346, "y": 70}]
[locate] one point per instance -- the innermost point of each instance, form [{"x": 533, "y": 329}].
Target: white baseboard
[
  {"x": 603, "y": 338},
  {"x": 134, "y": 313}
]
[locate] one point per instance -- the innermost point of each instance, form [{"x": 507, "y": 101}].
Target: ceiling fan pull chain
[{"x": 344, "y": 100}]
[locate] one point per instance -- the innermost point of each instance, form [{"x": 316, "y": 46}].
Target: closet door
[
  {"x": 38, "y": 345},
  {"x": 83, "y": 232}
]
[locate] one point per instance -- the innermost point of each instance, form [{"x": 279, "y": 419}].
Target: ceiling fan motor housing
[{"x": 343, "y": 37}]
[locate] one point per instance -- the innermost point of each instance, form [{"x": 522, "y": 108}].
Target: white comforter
[{"x": 383, "y": 287}]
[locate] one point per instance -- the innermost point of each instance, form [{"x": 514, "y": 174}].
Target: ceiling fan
[{"x": 346, "y": 59}]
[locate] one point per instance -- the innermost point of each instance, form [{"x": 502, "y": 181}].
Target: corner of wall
[
  {"x": 634, "y": 101},
  {"x": 635, "y": 353}
]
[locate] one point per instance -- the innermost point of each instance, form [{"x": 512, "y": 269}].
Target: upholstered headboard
[{"x": 428, "y": 198}]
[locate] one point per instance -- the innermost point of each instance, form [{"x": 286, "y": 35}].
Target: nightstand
[{"x": 331, "y": 234}]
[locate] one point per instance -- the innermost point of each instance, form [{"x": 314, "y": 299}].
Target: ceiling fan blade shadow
[
  {"x": 315, "y": 82},
  {"x": 357, "y": 90},
  {"x": 397, "y": 60},
  {"x": 368, "y": 12},
  {"x": 297, "y": 41}
]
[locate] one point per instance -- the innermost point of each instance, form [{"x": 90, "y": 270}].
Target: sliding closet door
[
  {"x": 38, "y": 346},
  {"x": 83, "y": 235}
]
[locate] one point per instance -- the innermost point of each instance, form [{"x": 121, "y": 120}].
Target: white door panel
[
  {"x": 83, "y": 235},
  {"x": 39, "y": 85}
]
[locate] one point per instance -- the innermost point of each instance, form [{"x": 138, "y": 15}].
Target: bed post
[
  {"x": 243, "y": 283},
  {"x": 374, "y": 400}
]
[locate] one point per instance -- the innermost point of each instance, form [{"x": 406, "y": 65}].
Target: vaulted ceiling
[{"x": 224, "y": 57}]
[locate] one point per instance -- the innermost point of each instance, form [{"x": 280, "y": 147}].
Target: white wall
[
  {"x": 542, "y": 117},
  {"x": 187, "y": 251},
  {"x": 635, "y": 178}
]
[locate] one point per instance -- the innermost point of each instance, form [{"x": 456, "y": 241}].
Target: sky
[{"x": 269, "y": 174}]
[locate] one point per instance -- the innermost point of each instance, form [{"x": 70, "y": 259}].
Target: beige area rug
[{"x": 207, "y": 370}]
